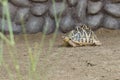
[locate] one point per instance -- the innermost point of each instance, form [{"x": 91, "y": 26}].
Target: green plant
[{"x": 10, "y": 42}]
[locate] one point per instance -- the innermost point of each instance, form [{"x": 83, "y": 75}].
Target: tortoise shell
[{"x": 82, "y": 35}]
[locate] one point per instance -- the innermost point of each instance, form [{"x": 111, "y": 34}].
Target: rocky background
[{"x": 40, "y": 15}]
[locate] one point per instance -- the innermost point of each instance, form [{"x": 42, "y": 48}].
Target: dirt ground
[{"x": 66, "y": 63}]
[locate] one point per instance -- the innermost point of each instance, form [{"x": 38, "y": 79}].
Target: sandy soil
[{"x": 66, "y": 63}]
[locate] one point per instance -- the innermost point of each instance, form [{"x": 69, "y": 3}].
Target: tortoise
[{"x": 82, "y": 35}]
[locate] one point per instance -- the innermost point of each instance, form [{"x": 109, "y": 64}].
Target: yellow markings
[{"x": 82, "y": 36}]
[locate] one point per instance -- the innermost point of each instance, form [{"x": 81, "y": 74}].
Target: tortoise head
[
  {"x": 66, "y": 39},
  {"x": 97, "y": 43}
]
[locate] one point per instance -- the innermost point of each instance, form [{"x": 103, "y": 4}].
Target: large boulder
[
  {"x": 21, "y": 3},
  {"x": 39, "y": 9},
  {"x": 57, "y": 9},
  {"x": 94, "y": 21},
  {"x": 49, "y": 25},
  {"x": 72, "y": 2},
  {"x": 21, "y": 15},
  {"x": 113, "y": 9},
  {"x": 115, "y": 1},
  {"x": 12, "y": 11},
  {"x": 39, "y": 0},
  {"x": 81, "y": 10},
  {"x": 4, "y": 26},
  {"x": 94, "y": 7},
  {"x": 67, "y": 24},
  {"x": 111, "y": 23},
  {"x": 34, "y": 24}
]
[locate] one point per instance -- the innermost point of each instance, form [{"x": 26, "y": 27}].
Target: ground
[{"x": 67, "y": 63}]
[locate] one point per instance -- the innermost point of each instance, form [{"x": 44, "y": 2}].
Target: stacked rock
[{"x": 48, "y": 15}]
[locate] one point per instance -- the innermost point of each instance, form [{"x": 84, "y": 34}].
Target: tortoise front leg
[
  {"x": 71, "y": 43},
  {"x": 68, "y": 42}
]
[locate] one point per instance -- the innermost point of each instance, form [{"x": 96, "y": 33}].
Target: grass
[{"x": 33, "y": 59}]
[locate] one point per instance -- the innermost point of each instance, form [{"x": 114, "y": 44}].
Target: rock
[
  {"x": 49, "y": 25},
  {"x": 67, "y": 24},
  {"x": 39, "y": 9},
  {"x": 21, "y": 3},
  {"x": 39, "y": 0},
  {"x": 95, "y": 0},
  {"x": 21, "y": 15},
  {"x": 41, "y": 15},
  {"x": 12, "y": 10},
  {"x": 34, "y": 24},
  {"x": 72, "y": 2},
  {"x": 115, "y": 1},
  {"x": 94, "y": 21},
  {"x": 111, "y": 23},
  {"x": 94, "y": 7},
  {"x": 81, "y": 10},
  {"x": 17, "y": 29},
  {"x": 58, "y": 0},
  {"x": 5, "y": 28},
  {"x": 113, "y": 9},
  {"x": 57, "y": 9}
]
